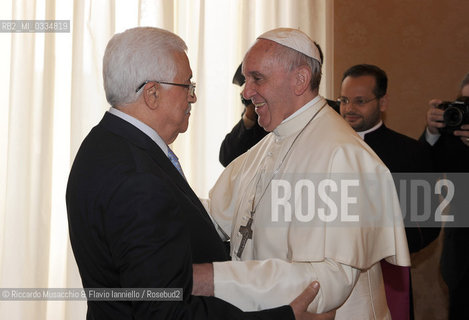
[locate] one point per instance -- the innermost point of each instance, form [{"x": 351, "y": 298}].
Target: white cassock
[{"x": 293, "y": 243}]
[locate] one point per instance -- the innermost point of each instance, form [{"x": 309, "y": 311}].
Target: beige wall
[{"x": 423, "y": 45}]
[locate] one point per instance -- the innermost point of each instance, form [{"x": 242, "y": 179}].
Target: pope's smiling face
[{"x": 268, "y": 84}]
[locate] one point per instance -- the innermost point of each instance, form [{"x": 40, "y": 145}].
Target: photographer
[
  {"x": 450, "y": 151},
  {"x": 435, "y": 121}
]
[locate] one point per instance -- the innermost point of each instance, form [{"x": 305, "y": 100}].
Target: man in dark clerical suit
[
  {"x": 134, "y": 221},
  {"x": 450, "y": 151},
  {"x": 363, "y": 99}
]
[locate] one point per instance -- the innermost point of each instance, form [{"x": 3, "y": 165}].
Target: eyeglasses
[
  {"x": 190, "y": 86},
  {"x": 355, "y": 102}
]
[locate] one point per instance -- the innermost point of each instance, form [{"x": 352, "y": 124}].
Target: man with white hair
[
  {"x": 269, "y": 199},
  {"x": 134, "y": 221}
]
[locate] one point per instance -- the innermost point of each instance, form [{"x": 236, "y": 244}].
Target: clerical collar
[
  {"x": 299, "y": 119},
  {"x": 302, "y": 109},
  {"x": 152, "y": 134},
  {"x": 376, "y": 127}
]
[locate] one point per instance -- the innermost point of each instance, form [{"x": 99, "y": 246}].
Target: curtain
[{"x": 51, "y": 95}]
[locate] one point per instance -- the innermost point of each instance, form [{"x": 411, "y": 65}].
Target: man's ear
[
  {"x": 383, "y": 103},
  {"x": 302, "y": 80},
  {"x": 150, "y": 95}
]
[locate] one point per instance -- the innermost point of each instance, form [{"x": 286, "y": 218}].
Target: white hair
[
  {"x": 291, "y": 59},
  {"x": 135, "y": 56}
]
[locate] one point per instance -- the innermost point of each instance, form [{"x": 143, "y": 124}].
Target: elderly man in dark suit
[{"x": 134, "y": 221}]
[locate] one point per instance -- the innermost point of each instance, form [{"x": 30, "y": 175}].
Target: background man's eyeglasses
[{"x": 356, "y": 102}]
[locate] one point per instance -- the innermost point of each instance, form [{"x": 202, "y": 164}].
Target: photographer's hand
[
  {"x": 464, "y": 134},
  {"x": 435, "y": 117},
  {"x": 249, "y": 116}
]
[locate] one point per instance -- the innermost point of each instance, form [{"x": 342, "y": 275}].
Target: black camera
[{"x": 455, "y": 114}]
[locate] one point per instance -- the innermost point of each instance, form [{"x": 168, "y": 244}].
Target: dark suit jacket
[
  {"x": 452, "y": 156},
  {"x": 239, "y": 140},
  {"x": 449, "y": 154},
  {"x": 134, "y": 222},
  {"x": 402, "y": 154}
]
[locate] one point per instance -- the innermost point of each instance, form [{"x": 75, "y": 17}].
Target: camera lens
[{"x": 453, "y": 116}]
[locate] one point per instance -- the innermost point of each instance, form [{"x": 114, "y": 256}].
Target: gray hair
[
  {"x": 137, "y": 55},
  {"x": 291, "y": 59}
]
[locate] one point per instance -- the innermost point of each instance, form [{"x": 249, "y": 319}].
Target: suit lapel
[{"x": 126, "y": 130}]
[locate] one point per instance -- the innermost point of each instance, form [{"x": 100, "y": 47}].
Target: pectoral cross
[{"x": 246, "y": 231}]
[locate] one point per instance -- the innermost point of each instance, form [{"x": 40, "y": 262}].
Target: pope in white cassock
[{"x": 287, "y": 226}]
